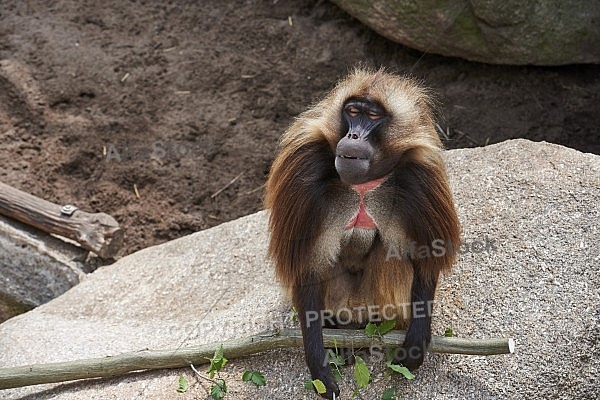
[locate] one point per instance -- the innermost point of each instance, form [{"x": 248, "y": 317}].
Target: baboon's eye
[
  {"x": 353, "y": 111},
  {"x": 373, "y": 115}
]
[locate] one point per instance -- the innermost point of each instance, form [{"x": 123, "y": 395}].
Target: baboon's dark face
[{"x": 358, "y": 153}]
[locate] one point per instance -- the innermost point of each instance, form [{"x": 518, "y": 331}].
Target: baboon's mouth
[{"x": 353, "y": 158}]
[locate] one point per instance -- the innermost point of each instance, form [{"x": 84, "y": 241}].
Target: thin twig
[
  {"x": 445, "y": 134},
  {"x": 255, "y": 189},
  {"x": 226, "y": 186},
  {"x": 199, "y": 375},
  {"x": 461, "y": 133}
]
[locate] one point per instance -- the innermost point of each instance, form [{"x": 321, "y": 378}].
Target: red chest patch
[{"x": 362, "y": 218}]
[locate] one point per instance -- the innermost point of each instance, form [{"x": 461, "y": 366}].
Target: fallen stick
[
  {"x": 106, "y": 367},
  {"x": 97, "y": 232}
]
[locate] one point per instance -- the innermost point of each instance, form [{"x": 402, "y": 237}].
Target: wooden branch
[
  {"x": 234, "y": 348},
  {"x": 98, "y": 232}
]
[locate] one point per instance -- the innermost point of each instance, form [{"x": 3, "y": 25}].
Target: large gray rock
[
  {"x": 539, "y": 283},
  {"x": 539, "y": 32}
]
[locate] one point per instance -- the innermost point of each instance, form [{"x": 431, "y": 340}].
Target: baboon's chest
[{"x": 361, "y": 218}]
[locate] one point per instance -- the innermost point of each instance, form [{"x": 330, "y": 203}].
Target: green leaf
[
  {"x": 362, "y": 376},
  {"x": 335, "y": 362},
  {"x": 379, "y": 330},
  {"x": 217, "y": 362},
  {"x": 183, "y": 384},
  {"x": 337, "y": 375},
  {"x": 255, "y": 377},
  {"x": 319, "y": 386},
  {"x": 259, "y": 379},
  {"x": 247, "y": 376},
  {"x": 371, "y": 329},
  {"x": 218, "y": 390},
  {"x": 448, "y": 332},
  {"x": 401, "y": 370},
  {"x": 308, "y": 385},
  {"x": 387, "y": 326},
  {"x": 389, "y": 394}
]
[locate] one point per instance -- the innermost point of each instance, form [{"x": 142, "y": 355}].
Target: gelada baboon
[{"x": 357, "y": 173}]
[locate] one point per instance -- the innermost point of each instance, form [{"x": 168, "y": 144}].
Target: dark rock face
[{"x": 539, "y": 32}]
